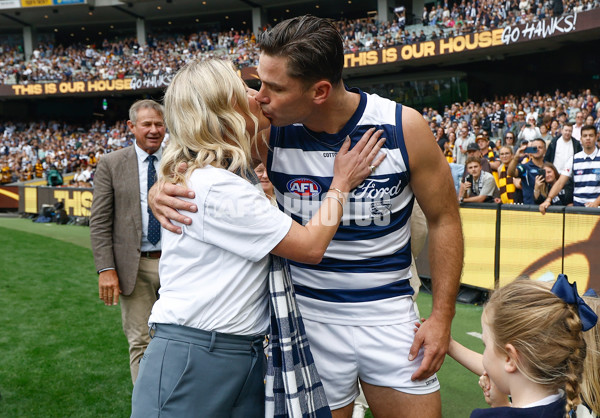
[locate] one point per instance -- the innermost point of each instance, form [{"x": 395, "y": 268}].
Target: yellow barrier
[{"x": 503, "y": 242}]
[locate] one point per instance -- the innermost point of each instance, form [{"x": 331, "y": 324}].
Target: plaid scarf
[{"x": 293, "y": 386}]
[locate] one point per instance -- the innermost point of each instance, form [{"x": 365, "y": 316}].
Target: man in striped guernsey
[
  {"x": 584, "y": 168},
  {"x": 357, "y": 302}
]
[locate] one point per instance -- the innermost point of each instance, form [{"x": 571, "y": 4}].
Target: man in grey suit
[{"x": 125, "y": 235}]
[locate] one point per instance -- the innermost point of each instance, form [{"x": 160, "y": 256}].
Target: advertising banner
[
  {"x": 66, "y": 87},
  {"x": 9, "y": 197},
  {"x": 512, "y": 34},
  {"x": 479, "y": 225},
  {"x": 77, "y": 201},
  {"x": 10, "y": 4},
  {"x": 36, "y": 3},
  {"x": 504, "y": 242},
  {"x": 525, "y": 238}
]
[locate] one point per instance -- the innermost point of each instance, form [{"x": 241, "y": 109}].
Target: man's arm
[
  {"x": 554, "y": 191},
  {"x": 101, "y": 234},
  {"x": 511, "y": 170},
  {"x": 489, "y": 188},
  {"x": 431, "y": 182},
  {"x": 593, "y": 204},
  {"x": 163, "y": 197},
  {"x": 475, "y": 199}
]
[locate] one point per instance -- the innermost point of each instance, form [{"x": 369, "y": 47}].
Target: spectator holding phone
[
  {"x": 479, "y": 186},
  {"x": 543, "y": 184},
  {"x": 528, "y": 171},
  {"x": 530, "y": 131}
]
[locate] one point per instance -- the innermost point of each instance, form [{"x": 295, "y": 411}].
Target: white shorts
[{"x": 378, "y": 355}]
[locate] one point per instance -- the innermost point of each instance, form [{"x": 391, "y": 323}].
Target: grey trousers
[{"x": 186, "y": 372}]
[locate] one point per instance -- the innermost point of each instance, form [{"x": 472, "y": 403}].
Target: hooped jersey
[{"x": 363, "y": 278}]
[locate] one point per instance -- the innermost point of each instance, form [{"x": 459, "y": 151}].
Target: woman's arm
[{"x": 307, "y": 244}]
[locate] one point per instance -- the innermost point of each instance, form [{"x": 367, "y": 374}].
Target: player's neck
[{"x": 334, "y": 114}]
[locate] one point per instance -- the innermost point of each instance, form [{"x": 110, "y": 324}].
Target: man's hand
[
  {"x": 434, "y": 336},
  {"x": 108, "y": 287},
  {"x": 162, "y": 199},
  {"x": 520, "y": 152}
]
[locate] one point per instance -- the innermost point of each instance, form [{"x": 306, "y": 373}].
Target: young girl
[
  {"x": 534, "y": 349},
  {"x": 590, "y": 386}
]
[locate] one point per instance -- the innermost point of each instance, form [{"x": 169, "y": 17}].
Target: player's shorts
[{"x": 378, "y": 355}]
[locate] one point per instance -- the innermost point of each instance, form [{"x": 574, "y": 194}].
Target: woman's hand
[
  {"x": 539, "y": 182},
  {"x": 353, "y": 166}
]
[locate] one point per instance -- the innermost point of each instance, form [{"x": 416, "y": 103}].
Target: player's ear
[{"x": 321, "y": 91}]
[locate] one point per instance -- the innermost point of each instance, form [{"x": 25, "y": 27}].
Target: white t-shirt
[
  {"x": 214, "y": 275},
  {"x": 563, "y": 154}
]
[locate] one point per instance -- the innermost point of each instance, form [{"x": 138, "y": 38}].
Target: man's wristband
[{"x": 108, "y": 268}]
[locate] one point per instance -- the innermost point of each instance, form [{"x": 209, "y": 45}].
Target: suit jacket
[{"x": 116, "y": 216}]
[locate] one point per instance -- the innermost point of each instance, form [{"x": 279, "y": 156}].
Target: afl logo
[{"x": 303, "y": 187}]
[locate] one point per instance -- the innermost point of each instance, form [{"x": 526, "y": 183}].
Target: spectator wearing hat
[
  {"x": 474, "y": 151},
  {"x": 562, "y": 119},
  {"x": 530, "y": 131},
  {"x": 488, "y": 154},
  {"x": 520, "y": 120}
]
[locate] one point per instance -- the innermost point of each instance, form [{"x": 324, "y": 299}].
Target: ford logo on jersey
[{"x": 303, "y": 187}]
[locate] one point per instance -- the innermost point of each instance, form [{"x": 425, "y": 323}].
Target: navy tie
[{"x": 153, "y": 224}]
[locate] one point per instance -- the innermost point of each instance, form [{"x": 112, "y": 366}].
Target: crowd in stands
[
  {"x": 123, "y": 58},
  {"x": 29, "y": 151},
  {"x": 165, "y": 54},
  {"x": 488, "y": 134}
]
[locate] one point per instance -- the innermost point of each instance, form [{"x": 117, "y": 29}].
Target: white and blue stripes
[
  {"x": 367, "y": 265},
  {"x": 586, "y": 177}
]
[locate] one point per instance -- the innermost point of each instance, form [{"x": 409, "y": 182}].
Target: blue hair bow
[{"x": 568, "y": 293}]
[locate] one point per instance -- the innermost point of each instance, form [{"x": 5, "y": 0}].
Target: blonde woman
[{"x": 206, "y": 357}]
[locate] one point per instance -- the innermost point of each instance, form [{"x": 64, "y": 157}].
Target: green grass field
[{"x": 63, "y": 353}]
